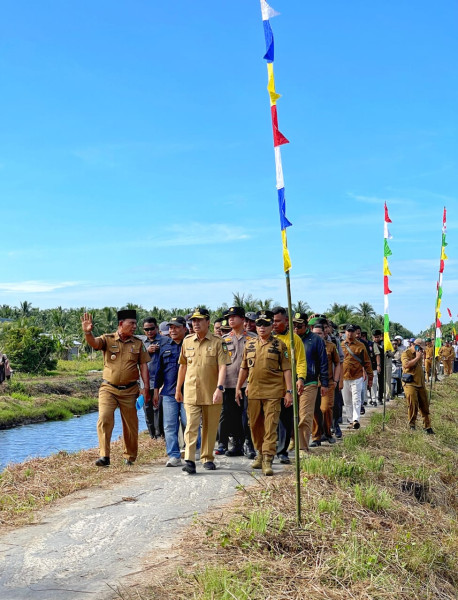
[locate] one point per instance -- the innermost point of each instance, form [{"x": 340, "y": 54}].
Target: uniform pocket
[
  {"x": 210, "y": 356},
  {"x": 134, "y": 357},
  {"x": 272, "y": 363}
]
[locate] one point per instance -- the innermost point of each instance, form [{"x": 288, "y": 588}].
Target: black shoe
[
  {"x": 365, "y": 403},
  {"x": 338, "y": 432},
  {"x": 356, "y": 425},
  {"x": 363, "y": 410},
  {"x": 330, "y": 439},
  {"x": 429, "y": 431},
  {"x": 249, "y": 451},
  {"x": 234, "y": 452},
  {"x": 210, "y": 466},
  {"x": 284, "y": 459},
  {"x": 314, "y": 444},
  {"x": 103, "y": 461},
  {"x": 128, "y": 462},
  {"x": 190, "y": 467}
]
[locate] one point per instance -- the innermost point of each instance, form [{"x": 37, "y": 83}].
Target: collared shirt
[
  {"x": 267, "y": 364},
  {"x": 352, "y": 368},
  {"x": 299, "y": 352},
  {"x": 203, "y": 359},
  {"x": 416, "y": 370},
  {"x": 235, "y": 346},
  {"x": 317, "y": 363},
  {"x": 153, "y": 364},
  {"x": 447, "y": 352},
  {"x": 167, "y": 370},
  {"x": 429, "y": 352},
  {"x": 121, "y": 358}
]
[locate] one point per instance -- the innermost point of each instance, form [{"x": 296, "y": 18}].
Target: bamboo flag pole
[
  {"x": 387, "y": 345},
  {"x": 279, "y": 140},
  {"x": 437, "y": 310}
]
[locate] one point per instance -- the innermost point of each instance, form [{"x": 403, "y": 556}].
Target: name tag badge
[{"x": 113, "y": 357}]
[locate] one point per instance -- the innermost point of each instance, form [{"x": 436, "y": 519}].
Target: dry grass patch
[{"x": 28, "y": 487}]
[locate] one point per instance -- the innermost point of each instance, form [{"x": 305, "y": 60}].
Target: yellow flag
[
  {"x": 271, "y": 85},
  {"x": 388, "y": 346},
  {"x": 386, "y": 269},
  {"x": 443, "y": 255},
  {"x": 286, "y": 258}
]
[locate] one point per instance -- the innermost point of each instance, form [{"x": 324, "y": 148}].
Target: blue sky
[{"x": 137, "y": 165}]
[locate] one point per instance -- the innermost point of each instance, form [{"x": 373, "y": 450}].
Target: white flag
[
  {"x": 386, "y": 234},
  {"x": 267, "y": 11}
]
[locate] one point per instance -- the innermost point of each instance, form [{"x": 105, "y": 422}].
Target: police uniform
[
  {"x": 202, "y": 358},
  {"x": 121, "y": 360},
  {"x": 415, "y": 391},
  {"x": 266, "y": 388}
]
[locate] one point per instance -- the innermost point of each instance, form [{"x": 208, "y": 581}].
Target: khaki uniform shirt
[
  {"x": 416, "y": 371},
  {"x": 447, "y": 353},
  {"x": 299, "y": 352},
  {"x": 333, "y": 359},
  {"x": 429, "y": 352},
  {"x": 121, "y": 358},
  {"x": 235, "y": 345},
  {"x": 352, "y": 369},
  {"x": 266, "y": 363},
  {"x": 203, "y": 359}
]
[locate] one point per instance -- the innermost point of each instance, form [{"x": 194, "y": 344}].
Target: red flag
[
  {"x": 279, "y": 138},
  {"x": 438, "y": 324},
  {"x": 449, "y": 312},
  {"x": 444, "y": 218},
  {"x": 387, "y": 218},
  {"x": 441, "y": 268},
  {"x": 386, "y": 289}
]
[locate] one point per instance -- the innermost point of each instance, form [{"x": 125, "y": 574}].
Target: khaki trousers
[
  {"x": 264, "y": 416},
  {"x": 417, "y": 398},
  {"x": 109, "y": 400},
  {"x": 428, "y": 368},
  {"x": 209, "y": 414},
  {"x": 448, "y": 366},
  {"x": 326, "y": 406},
  {"x": 306, "y": 410}
]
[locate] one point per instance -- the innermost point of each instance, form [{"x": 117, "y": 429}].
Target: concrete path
[{"x": 94, "y": 538}]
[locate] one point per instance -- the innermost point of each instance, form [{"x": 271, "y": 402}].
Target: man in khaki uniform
[
  {"x": 447, "y": 355},
  {"x": 123, "y": 356},
  {"x": 266, "y": 364},
  {"x": 415, "y": 389},
  {"x": 203, "y": 361},
  {"x": 429, "y": 354}
]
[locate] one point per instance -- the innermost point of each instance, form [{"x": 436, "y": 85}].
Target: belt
[{"x": 121, "y": 387}]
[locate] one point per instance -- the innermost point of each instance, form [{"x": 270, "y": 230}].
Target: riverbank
[
  {"x": 70, "y": 390},
  {"x": 379, "y": 521}
]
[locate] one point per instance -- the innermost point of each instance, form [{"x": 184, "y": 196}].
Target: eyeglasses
[
  {"x": 262, "y": 323},
  {"x": 149, "y": 328}
]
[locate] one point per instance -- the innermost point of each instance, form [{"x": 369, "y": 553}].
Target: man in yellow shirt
[{"x": 281, "y": 331}]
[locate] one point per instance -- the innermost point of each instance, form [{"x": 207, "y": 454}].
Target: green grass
[
  {"x": 219, "y": 583},
  {"x": 373, "y": 497},
  {"x": 80, "y": 366}
]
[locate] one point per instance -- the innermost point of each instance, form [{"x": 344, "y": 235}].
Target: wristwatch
[
  {"x": 220, "y": 387},
  {"x": 289, "y": 391}
]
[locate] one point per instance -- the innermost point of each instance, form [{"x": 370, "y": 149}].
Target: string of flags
[
  {"x": 443, "y": 258},
  {"x": 279, "y": 139},
  {"x": 386, "y": 288}
]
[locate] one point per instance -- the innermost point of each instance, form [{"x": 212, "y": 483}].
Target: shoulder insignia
[
  {"x": 285, "y": 353},
  {"x": 224, "y": 345}
]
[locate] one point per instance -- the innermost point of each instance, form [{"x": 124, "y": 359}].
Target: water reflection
[{"x": 43, "y": 439}]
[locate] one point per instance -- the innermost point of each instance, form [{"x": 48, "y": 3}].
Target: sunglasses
[
  {"x": 149, "y": 328},
  {"x": 262, "y": 323}
]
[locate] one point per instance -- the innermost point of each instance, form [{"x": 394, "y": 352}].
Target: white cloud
[{"x": 36, "y": 287}]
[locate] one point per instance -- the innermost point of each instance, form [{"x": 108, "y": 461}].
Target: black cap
[
  {"x": 200, "y": 313},
  {"x": 265, "y": 315},
  {"x": 300, "y": 318},
  {"x": 177, "y": 321},
  {"x": 235, "y": 311},
  {"x": 350, "y": 327},
  {"x": 127, "y": 314},
  {"x": 377, "y": 332},
  {"x": 251, "y": 316}
]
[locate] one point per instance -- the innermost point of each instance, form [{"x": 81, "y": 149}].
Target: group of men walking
[{"x": 235, "y": 387}]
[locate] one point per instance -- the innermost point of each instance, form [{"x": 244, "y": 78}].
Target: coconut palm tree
[
  {"x": 301, "y": 307},
  {"x": 365, "y": 310}
]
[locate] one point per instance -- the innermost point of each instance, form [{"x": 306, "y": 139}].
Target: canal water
[{"x": 42, "y": 439}]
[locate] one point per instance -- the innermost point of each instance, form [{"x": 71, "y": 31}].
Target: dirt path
[{"x": 93, "y": 539}]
